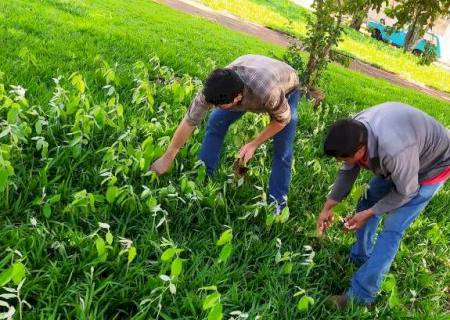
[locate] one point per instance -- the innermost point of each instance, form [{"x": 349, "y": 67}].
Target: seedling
[
  {"x": 212, "y": 303},
  {"x": 240, "y": 170}
]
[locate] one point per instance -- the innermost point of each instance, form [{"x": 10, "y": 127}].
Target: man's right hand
[
  {"x": 324, "y": 221},
  {"x": 162, "y": 165},
  {"x": 179, "y": 138}
]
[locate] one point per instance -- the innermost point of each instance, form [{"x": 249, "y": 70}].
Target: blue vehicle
[{"x": 380, "y": 32}]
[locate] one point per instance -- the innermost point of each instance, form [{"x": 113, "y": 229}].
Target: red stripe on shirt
[{"x": 443, "y": 176}]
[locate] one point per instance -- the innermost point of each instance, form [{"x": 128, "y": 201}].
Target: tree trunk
[
  {"x": 358, "y": 18},
  {"x": 411, "y": 35}
]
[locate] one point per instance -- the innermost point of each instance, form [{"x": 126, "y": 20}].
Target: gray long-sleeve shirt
[{"x": 405, "y": 145}]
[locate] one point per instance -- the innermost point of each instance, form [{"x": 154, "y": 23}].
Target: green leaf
[
  {"x": 6, "y": 276},
  {"x": 394, "y": 300},
  {"x": 225, "y": 253},
  {"x": 47, "y": 211},
  {"x": 284, "y": 215},
  {"x": 388, "y": 283},
  {"x": 209, "y": 288},
  {"x": 287, "y": 267},
  {"x": 55, "y": 198},
  {"x": 270, "y": 218},
  {"x": 176, "y": 268},
  {"x": 201, "y": 175},
  {"x": 13, "y": 113},
  {"x": 131, "y": 254},
  {"x": 18, "y": 272},
  {"x": 211, "y": 300},
  {"x": 304, "y": 302},
  {"x": 151, "y": 203},
  {"x": 78, "y": 82},
  {"x": 112, "y": 193},
  {"x": 215, "y": 313},
  {"x": 3, "y": 178},
  {"x": 109, "y": 238},
  {"x": 38, "y": 127},
  {"x": 225, "y": 237},
  {"x": 101, "y": 248},
  {"x": 168, "y": 254}
]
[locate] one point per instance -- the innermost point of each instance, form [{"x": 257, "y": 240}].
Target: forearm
[
  {"x": 181, "y": 135},
  {"x": 344, "y": 183},
  {"x": 329, "y": 204},
  {"x": 272, "y": 129}
]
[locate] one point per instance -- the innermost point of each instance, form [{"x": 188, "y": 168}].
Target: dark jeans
[{"x": 283, "y": 143}]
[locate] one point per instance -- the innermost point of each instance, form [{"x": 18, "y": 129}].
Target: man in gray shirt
[
  {"x": 409, "y": 152},
  {"x": 250, "y": 83}
]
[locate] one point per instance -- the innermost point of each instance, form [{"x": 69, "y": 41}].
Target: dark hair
[
  {"x": 344, "y": 138},
  {"x": 222, "y": 86}
]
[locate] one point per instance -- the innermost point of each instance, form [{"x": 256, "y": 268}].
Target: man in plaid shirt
[{"x": 250, "y": 83}]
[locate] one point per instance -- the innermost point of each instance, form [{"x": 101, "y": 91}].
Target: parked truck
[{"x": 381, "y": 32}]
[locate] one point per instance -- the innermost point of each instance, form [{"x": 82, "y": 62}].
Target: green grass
[
  {"x": 287, "y": 16},
  {"x": 71, "y": 272}
]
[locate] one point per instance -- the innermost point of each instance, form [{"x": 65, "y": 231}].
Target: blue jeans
[
  {"x": 283, "y": 143},
  {"x": 376, "y": 257}
]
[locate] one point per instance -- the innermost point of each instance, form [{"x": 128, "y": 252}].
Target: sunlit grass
[{"x": 286, "y": 16}]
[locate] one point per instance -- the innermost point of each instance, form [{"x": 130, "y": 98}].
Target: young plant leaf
[
  {"x": 304, "y": 303},
  {"x": 225, "y": 237},
  {"x": 172, "y": 288},
  {"x": 3, "y": 178},
  {"x": 109, "y": 238},
  {"x": 112, "y": 193},
  {"x": 6, "y": 276},
  {"x": 18, "y": 272},
  {"x": 47, "y": 211},
  {"x": 211, "y": 300},
  {"x": 216, "y": 313},
  {"x": 287, "y": 267},
  {"x": 164, "y": 278},
  {"x": 225, "y": 253},
  {"x": 176, "y": 268},
  {"x": 284, "y": 215},
  {"x": 168, "y": 254},
  {"x": 270, "y": 218},
  {"x": 131, "y": 254},
  {"x": 101, "y": 248}
]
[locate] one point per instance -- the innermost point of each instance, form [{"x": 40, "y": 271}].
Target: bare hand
[
  {"x": 247, "y": 152},
  {"x": 324, "y": 221},
  {"x": 161, "y": 165},
  {"x": 358, "y": 220}
]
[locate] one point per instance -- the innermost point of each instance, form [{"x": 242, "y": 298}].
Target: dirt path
[{"x": 228, "y": 20}]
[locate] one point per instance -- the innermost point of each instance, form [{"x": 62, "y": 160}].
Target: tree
[
  {"x": 324, "y": 33},
  {"x": 417, "y": 16},
  {"x": 358, "y": 10}
]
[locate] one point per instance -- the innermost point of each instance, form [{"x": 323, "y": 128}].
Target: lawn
[
  {"x": 287, "y": 16},
  {"x": 89, "y": 234}
]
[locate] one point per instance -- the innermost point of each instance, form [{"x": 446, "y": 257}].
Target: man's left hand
[
  {"x": 247, "y": 152},
  {"x": 358, "y": 220}
]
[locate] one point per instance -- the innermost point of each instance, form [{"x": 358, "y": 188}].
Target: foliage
[
  {"x": 429, "y": 55},
  {"x": 358, "y": 10},
  {"x": 324, "y": 32},
  {"x": 417, "y": 16}
]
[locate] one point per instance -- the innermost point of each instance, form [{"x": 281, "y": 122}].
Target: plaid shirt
[{"x": 267, "y": 82}]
